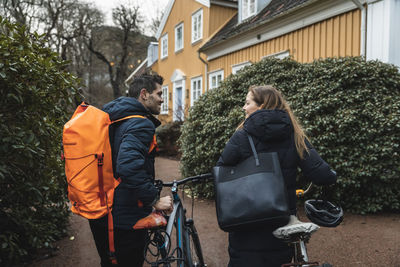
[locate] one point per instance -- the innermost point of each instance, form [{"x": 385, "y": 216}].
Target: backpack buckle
[
  {"x": 112, "y": 257},
  {"x": 100, "y": 160}
]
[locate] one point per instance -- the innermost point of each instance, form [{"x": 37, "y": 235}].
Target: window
[
  {"x": 164, "y": 105},
  {"x": 237, "y": 67},
  {"x": 215, "y": 79},
  {"x": 197, "y": 26},
  {"x": 196, "y": 89},
  {"x": 164, "y": 46},
  {"x": 179, "y": 37},
  {"x": 279, "y": 55},
  {"x": 248, "y": 8},
  {"x": 178, "y": 100}
]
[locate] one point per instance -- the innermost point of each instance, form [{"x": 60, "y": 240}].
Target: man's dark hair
[{"x": 147, "y": 81}]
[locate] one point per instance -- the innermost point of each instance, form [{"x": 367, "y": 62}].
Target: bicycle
[
  {"x": 298, "y": 234},
  {"x": 187, "y": 252}
]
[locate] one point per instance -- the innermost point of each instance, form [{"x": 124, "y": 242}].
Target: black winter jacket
[
  {"x": 272, "y": 131},
  {"x": 130, "y": 141}
]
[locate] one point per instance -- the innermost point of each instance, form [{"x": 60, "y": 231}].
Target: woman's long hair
[{"x": 267, "y": 97}]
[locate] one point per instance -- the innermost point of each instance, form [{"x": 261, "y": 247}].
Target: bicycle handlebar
[
  {"x": 302, "y": 192},
  {"x": 196, "y": 178}
]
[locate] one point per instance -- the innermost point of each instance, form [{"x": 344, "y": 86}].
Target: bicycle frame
[
  {"x": 299, "y": 242},
  {"x": 176, "y": 219},
  {"x": 178, "y": 210}
]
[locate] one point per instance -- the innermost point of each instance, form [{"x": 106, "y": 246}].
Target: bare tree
[
  {"x": 155, "y": 22},
  {"x": 24, "y": 12},
  {"x": 75, "y": 29},
  {"x": 128, "y": 20}
]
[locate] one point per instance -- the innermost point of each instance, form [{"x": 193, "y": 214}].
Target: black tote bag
[{"x": 251, "y": 194}]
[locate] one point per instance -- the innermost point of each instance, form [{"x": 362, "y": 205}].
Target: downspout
[
  {"x": 206, "y": 71},
  {"x": 363, "y": 27}
]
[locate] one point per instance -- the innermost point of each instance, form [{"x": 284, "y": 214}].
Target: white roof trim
[
  {"x": 135, "y": 71},
  {"x": 204, "y": 2},
  {"x": 279, "y": 27},
  {"x": 168, "y": 11},
  {"x": 164, "y": 18},
  {"x": 225, "y": 4}
]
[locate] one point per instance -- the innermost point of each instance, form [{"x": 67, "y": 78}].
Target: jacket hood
[
  {"x": 126, "y": 106},
  {"x": 269, "y": 125}
]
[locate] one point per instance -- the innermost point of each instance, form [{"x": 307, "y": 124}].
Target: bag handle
[{"x": 253, "y": 148}]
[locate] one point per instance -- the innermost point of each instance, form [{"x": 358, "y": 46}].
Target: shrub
[
  {"x": 167, "y": 136},
  {"x": 36, "y": 92},
  {"x": 349, "y": 107}
]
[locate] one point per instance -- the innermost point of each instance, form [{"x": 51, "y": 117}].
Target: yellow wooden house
[
  {"x": 202, "y": 42},
  {"x": 185, "y": 26}
]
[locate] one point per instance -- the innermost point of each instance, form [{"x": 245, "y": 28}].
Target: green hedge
[
  {"x": 349, "y": 107},
  {"x": 35, "y": 95},
  {"x": 167, "y": 137}
]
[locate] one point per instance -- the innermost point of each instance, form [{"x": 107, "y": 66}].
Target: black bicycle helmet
[{"x": 323, "y": 213}]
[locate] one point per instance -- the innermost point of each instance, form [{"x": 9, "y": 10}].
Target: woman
[{"x": 274, "y": 128}]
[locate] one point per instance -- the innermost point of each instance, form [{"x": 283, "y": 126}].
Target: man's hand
[{"x": 164, "y": 203}]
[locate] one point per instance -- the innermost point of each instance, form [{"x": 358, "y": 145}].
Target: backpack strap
[
  {"x": 100, "y": 163},
  {"x": 153, "y": 144},
  {"x": 111, "y": 247},
  {"x": 129, "y": 117}
]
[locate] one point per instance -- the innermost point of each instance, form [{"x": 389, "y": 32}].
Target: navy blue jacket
[
  {"x": 130, "y": 142},
  {"x": 272, "y": 131}
]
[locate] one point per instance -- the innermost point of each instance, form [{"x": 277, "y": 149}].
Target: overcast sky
[{"x": 148, "y": 8}]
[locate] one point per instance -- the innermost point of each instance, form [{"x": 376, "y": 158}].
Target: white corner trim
[
  {"x": 204, "y": 2},
  {"x": 289, "y": 23},
  {"x": 164, "y": 18}
]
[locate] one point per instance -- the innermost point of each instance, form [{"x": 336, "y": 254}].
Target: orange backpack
[{"x": 88, "y": 165}]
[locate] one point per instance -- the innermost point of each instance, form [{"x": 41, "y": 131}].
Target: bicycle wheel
[{"x": 192, "y": 248}]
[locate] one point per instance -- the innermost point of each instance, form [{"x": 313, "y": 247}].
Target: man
[{"x": 133, "y": 161}]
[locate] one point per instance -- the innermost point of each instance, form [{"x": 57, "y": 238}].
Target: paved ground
[{"x": 362, "y": 241}]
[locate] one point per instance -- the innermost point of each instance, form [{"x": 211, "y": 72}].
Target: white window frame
[
  {"x": 246, "y": 11},
  {"x": 239, "y": 66},
  {"x": 194, "y": 81},
  {"x": 164, "y": 38},
  {"x": 279, "y": 55},
  {"x": 215, "y": 74},
  {"x": 176, "y": 84},
  {"x": 177, "y": 48},
  {"x": 165, "y": 97},
  {"x": 197, "y": 34}
]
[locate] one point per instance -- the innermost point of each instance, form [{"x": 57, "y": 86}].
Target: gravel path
[{"x": 372, "y": 240}]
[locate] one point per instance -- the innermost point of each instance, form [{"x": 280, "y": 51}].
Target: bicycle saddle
[
  {"x": 295, "y": 227},
  {"x": 154, "y": 219}
]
